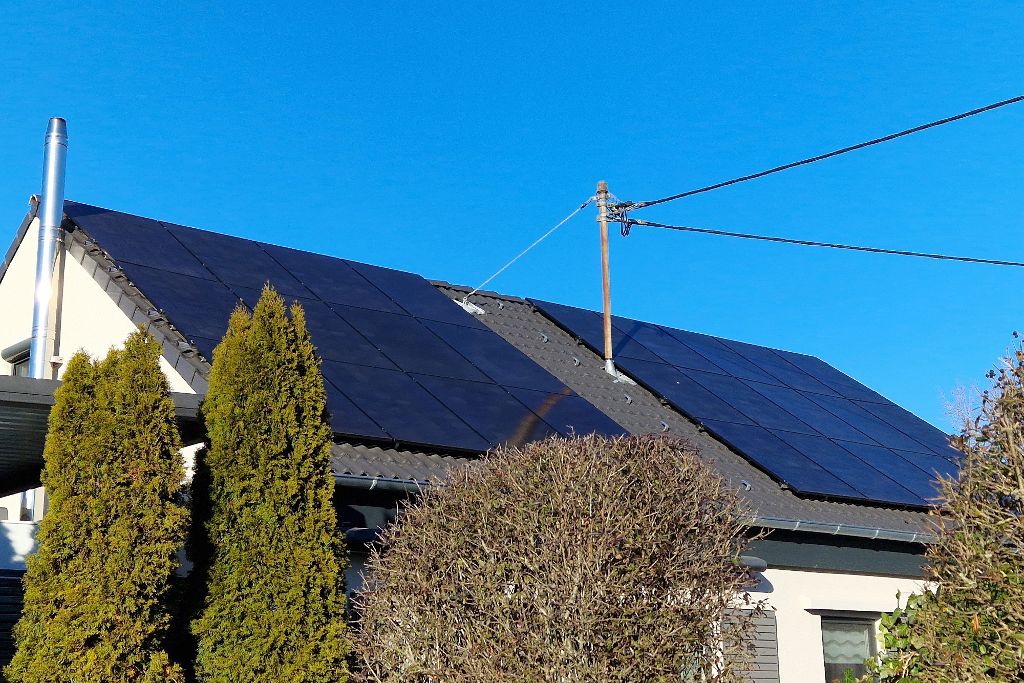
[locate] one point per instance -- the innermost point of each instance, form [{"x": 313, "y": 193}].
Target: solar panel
[
  {"x": 495, "y": 357},
  {"x": 197, "y": 307},
  {"x": 490, "y": 410},
  {"x": 807, "y": 424},
  {"x": 409, "y": 344},
  {"x": 567, "y": 413},
  {"x": 870, "y": 482},
  {"x": 332, "y": 279},
  {"x": 237, "y": 261},
  {"x": 131, "y": 239},
  {"x": 788, "y": 464},
  {"x": 401, "y": 360},
  {"x": 415, "y": 295},
  {"x": 406, "y": 410}
]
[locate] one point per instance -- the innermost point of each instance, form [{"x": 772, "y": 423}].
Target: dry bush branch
[{"x": 567, "y": 561}]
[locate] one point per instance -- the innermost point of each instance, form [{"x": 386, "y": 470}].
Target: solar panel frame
[
  {"x": 409, "y": 344},
  {"x": 686, "y": 394},
  {"x": 787, "y": 464},
  {"x": 870, "y": 482},
  {"x": 415, "y": 295},
  {"x": 664, "y": 346},
  {"x": 910, "y": 476}
]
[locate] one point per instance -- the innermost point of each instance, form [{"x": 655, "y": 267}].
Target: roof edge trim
[{"x": 19, "y": 236}]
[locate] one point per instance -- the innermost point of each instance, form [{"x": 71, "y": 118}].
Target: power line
[
  {"x": 532, "y": 245},
  {"x": 632, "y": 206},
  {"x": 628, "y": 222}
]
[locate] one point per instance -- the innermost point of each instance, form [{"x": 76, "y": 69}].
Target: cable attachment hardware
[{"x": 619, "y": 213}]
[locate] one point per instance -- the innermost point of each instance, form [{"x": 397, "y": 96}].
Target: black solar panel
[
  {"x": 402, "y": 361},
  {"x": 810, "y": 426}
]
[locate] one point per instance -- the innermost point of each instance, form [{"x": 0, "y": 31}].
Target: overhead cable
[
  {"x": 632, "y": 206},
  {"x": 531, "y": 246},
  {"x": 629, "y": 222}
]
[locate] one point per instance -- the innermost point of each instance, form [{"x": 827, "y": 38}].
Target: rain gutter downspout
[{"x": 51, "y": 213}]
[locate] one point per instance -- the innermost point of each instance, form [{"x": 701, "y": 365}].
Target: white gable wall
[{"x": 90, "y": 320}]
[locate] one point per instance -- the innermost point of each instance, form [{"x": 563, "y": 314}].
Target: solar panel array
[
  {"x": 805, "y": 423},
  {"x": 401, "y": 361}
]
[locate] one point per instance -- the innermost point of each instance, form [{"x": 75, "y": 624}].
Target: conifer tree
[
  {"x": 95, "y": 590},
  {"x": 274, "y": 609}
]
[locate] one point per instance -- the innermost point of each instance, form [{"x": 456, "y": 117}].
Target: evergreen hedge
[
  {"x": 274, "y": 609},
  {"x": 95, "y": 590},
  {"x": 567, "y": 561}
]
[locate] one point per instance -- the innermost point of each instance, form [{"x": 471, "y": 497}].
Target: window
[
  {"x": 17, "y": 356},
  {"x": 847, "y": 643}
]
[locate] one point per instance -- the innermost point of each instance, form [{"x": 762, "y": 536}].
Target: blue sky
[{"x": 444, "y": 140}]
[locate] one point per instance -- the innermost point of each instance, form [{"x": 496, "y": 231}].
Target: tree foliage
[
  {"x": 274, "y": 609},
  {"x": 972, "y": 627},
  {"x": 95, "y": 590},
  {"x": 569, "y": 560}
]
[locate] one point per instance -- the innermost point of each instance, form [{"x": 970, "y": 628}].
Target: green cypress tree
[
  {"x": 95, "y": 590},
  {"x": 274, "y": 609}
]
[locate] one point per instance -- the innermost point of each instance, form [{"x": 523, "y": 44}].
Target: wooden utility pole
[{"x": 606, "y": 282}]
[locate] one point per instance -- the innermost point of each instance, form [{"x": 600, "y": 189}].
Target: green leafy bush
[
  {"x": 274, "y": 608},
  {"x": 568, "y": 561},
  {"x": 972, "y": 627},
  {"x": 95, "y": 590}
]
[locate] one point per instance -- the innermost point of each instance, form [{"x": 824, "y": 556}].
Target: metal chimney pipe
[{"x": 51, "y": 213}]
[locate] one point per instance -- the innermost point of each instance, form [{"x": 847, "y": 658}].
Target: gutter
[
  {"x": 365, "y": 483},
  {"x": 355, "y": 481},
  {"x": 844, "y": 530}
]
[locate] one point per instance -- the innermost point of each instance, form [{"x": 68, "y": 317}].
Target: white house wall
[
  {"x": 799, "y": 598},
  {"x": 90, "y": 320}
]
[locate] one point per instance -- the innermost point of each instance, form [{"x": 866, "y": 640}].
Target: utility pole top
[{"x": 602, "y": 187}]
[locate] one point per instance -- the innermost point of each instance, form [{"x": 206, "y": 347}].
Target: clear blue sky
[{"x": 443, "y": 140}]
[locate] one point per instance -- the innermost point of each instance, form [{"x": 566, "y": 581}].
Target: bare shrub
[{"x": 568, "y": 560}]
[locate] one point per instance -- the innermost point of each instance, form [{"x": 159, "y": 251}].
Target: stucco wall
[
  {"x": 799, "y": 598},
  {"x": 90, "y": 320}
]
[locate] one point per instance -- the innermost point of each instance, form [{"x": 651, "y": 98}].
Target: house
[{"x": 418, "y": 382}]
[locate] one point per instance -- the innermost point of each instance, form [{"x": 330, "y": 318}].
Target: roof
[
  {"x": 359, "y": 458},
  {"x": 640, "y": 411}
]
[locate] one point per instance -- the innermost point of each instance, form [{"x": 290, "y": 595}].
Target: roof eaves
[{"x": 844, "y": 530}]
